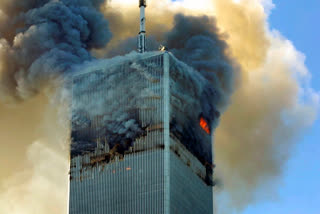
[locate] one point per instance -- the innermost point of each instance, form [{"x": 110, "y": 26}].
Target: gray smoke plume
[
  {"x": 197, "y": 42},
  {"x": 41, "y": 39}
]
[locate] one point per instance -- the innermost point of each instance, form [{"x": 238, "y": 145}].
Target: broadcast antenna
[{"x": 142, "y": 33}]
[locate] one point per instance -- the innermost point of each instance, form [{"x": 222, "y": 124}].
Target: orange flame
[{"x": 204, "y": 125}]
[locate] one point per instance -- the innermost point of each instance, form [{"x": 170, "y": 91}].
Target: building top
[
  {"x": 97, "y": 64},
  {"x": 120, "y": 100}
]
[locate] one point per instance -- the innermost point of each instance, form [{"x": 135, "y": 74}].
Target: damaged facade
[{"x": 141, "y": 137}]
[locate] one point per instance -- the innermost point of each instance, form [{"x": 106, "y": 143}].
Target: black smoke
[
  {"x": 41, "y": 39},
  {"x": 196, "y": 41}
]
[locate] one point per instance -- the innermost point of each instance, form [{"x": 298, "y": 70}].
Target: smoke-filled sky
[
  {"x": 266, "y": 144},
  {"x": 299, "y": 190}
]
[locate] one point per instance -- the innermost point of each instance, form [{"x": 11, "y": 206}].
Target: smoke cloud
[
  {"x": 269, "y": 110},
  {"x": 28, "y": 191},
  {"x": 42, "y": 39},
  {"x": 34, "y": 156},
  {"x": 197, "y": 42},
  {"x": 40, "y": 42}
]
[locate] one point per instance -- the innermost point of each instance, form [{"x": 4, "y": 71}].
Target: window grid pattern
[
  {"x": 133, "y": 184},
  {"x": 136, "y": 183}
]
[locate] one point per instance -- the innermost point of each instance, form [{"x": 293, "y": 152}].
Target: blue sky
[{"x": 298, "y": 20}]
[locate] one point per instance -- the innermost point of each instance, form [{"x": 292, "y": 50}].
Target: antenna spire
[{"x": 142, "y": 33}]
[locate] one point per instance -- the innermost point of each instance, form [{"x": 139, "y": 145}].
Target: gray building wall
[
  {"x": 131, "y": 186},
  {"x": 189, "y": 194}
]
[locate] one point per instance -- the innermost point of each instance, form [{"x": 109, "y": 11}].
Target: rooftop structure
[{"x": 142, "y": 33}]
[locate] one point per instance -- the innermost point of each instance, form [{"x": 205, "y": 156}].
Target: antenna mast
[{"x": 142, "y": 33}]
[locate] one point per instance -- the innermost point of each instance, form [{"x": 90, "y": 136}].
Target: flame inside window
[{"x": 204, "y": 125}]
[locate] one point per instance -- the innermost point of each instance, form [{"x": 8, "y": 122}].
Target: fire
[{"x": 204, "y": 125}]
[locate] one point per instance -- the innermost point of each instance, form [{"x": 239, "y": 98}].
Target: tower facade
[{"x": 141, "y": 137}]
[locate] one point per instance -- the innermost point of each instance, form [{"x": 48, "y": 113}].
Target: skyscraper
[{"x": 141, "y": 137}]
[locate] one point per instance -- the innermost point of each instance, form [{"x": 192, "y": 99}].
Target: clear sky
[{"x": 299, "y": 21}]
